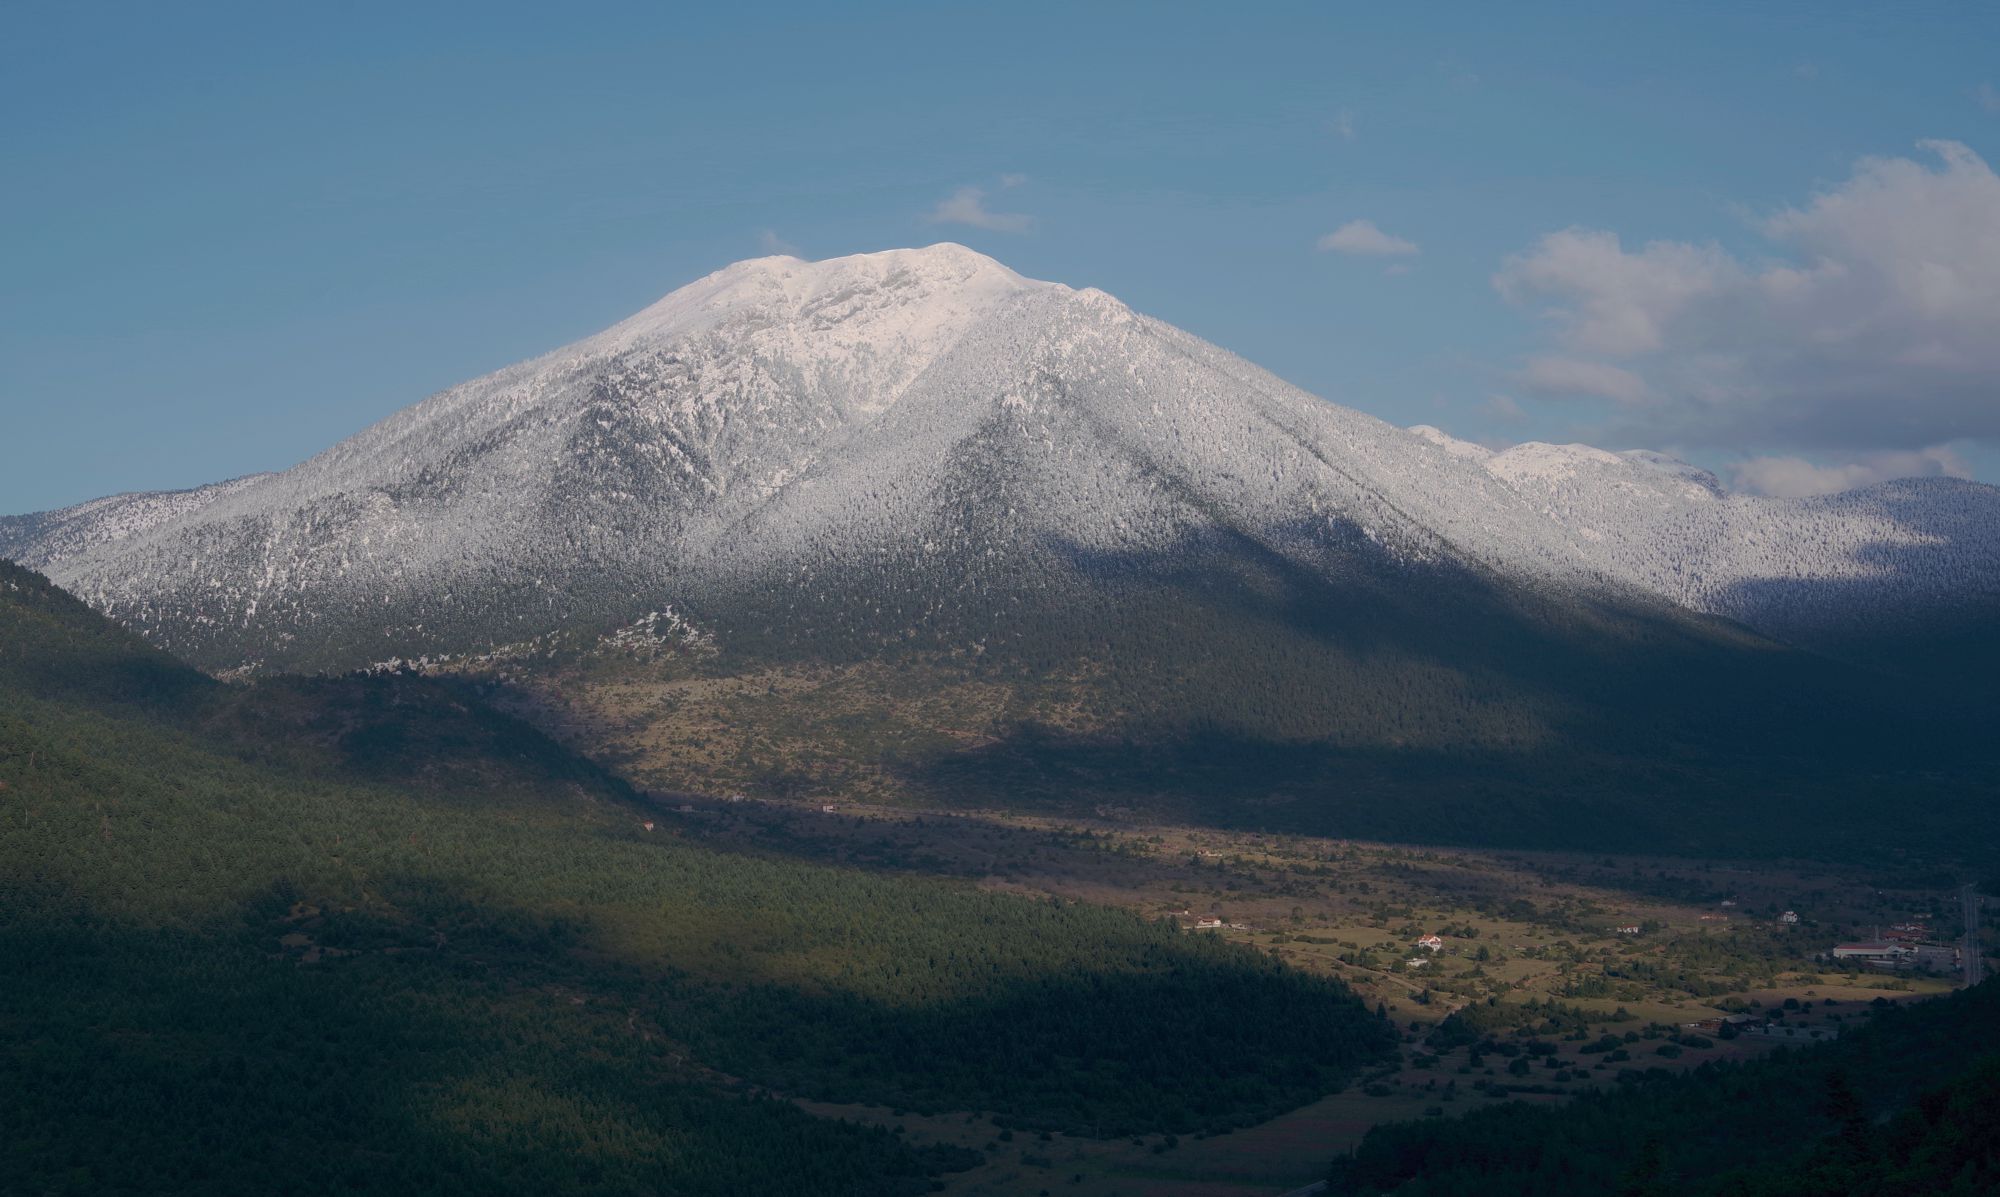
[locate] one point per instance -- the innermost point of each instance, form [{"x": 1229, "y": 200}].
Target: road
[{"x": 1975, "y": 964}]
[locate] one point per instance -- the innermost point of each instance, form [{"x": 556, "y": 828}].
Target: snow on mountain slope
[
  {"x": 920, "y": 437},
  {"x": 51, "y": 535},
  {"x": 1790, "y": 567}
]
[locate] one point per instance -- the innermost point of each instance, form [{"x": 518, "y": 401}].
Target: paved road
[{"x": 1975, "y": 965}]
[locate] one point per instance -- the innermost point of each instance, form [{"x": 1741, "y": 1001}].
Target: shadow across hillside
[
  {"x": 1678, "y": 803},
  {"x": 220, "y": 1064},
  {"x": 1265, "y": 695}
]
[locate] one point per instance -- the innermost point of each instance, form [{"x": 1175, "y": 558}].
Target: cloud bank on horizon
[{"x": 1869, "y": 331}]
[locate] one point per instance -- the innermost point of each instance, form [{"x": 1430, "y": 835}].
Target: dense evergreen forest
[
  {"x": 1908, "y": 1106},
  {"x": 367, "y": 935}
]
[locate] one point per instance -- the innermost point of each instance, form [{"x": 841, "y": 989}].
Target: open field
[{"x": 1531, "y": 945}]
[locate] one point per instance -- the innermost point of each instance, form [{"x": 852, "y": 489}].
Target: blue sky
[{"x": 231, "y": 235}]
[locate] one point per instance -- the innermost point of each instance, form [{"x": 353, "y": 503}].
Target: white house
[{"x": 1431, "y": 943}]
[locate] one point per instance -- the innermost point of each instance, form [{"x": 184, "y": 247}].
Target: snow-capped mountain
[
  {"x": 922, "y": 447},
  {"x": 1792, "y": 568}
]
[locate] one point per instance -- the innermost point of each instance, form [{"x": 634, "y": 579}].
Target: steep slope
[{"x": 503, "y": 507}]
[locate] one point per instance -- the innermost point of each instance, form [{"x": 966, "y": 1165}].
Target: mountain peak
[
  {"x": 947, "y": 280},
  {"x": 943, "y": 260}
]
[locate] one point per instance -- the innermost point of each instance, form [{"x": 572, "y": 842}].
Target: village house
[
  {"x": 1627, "y": 929},
  {"x": 1789, "y": 918},
  {"x": 1206, "y": 924},
  {"x": 1876, "y": 955},
  {"x": 1431, "y": 943}
]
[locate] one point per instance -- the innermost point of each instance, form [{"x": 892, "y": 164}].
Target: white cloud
[
  {"x": 1362, "y": 237},
  {"x": 771, "y": 243},
  {"x": 1503, "y": 407},
  {"x": 1012, "y": 179},
  {"x": 1988, "y": 98},
  {"x": 1797, "y": 478},
  {"x": 967, "y": 206},
  {"x": 1873, "y": 323},
  {"x": 1343, "y": 124},
  {"x": 1559, "y": 377},
  {"x": 1616, "y": 302}
]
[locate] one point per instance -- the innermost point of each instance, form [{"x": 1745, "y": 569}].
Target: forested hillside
[
  {"x": 1904, "y": 1107},
  {"x": 371, "y": 936}
]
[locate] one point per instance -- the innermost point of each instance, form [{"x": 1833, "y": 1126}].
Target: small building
[
  {"x": 1627, "y": 929},
  {"x": 1789, "y": 918},
  {"x": 1876, "y": 955},
  {"x": 648, "y": 825},
  {"x": 1207, "y": 924},
  {"x": 1431, "y": 943},
  {"x": 827, "y": 809}
]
